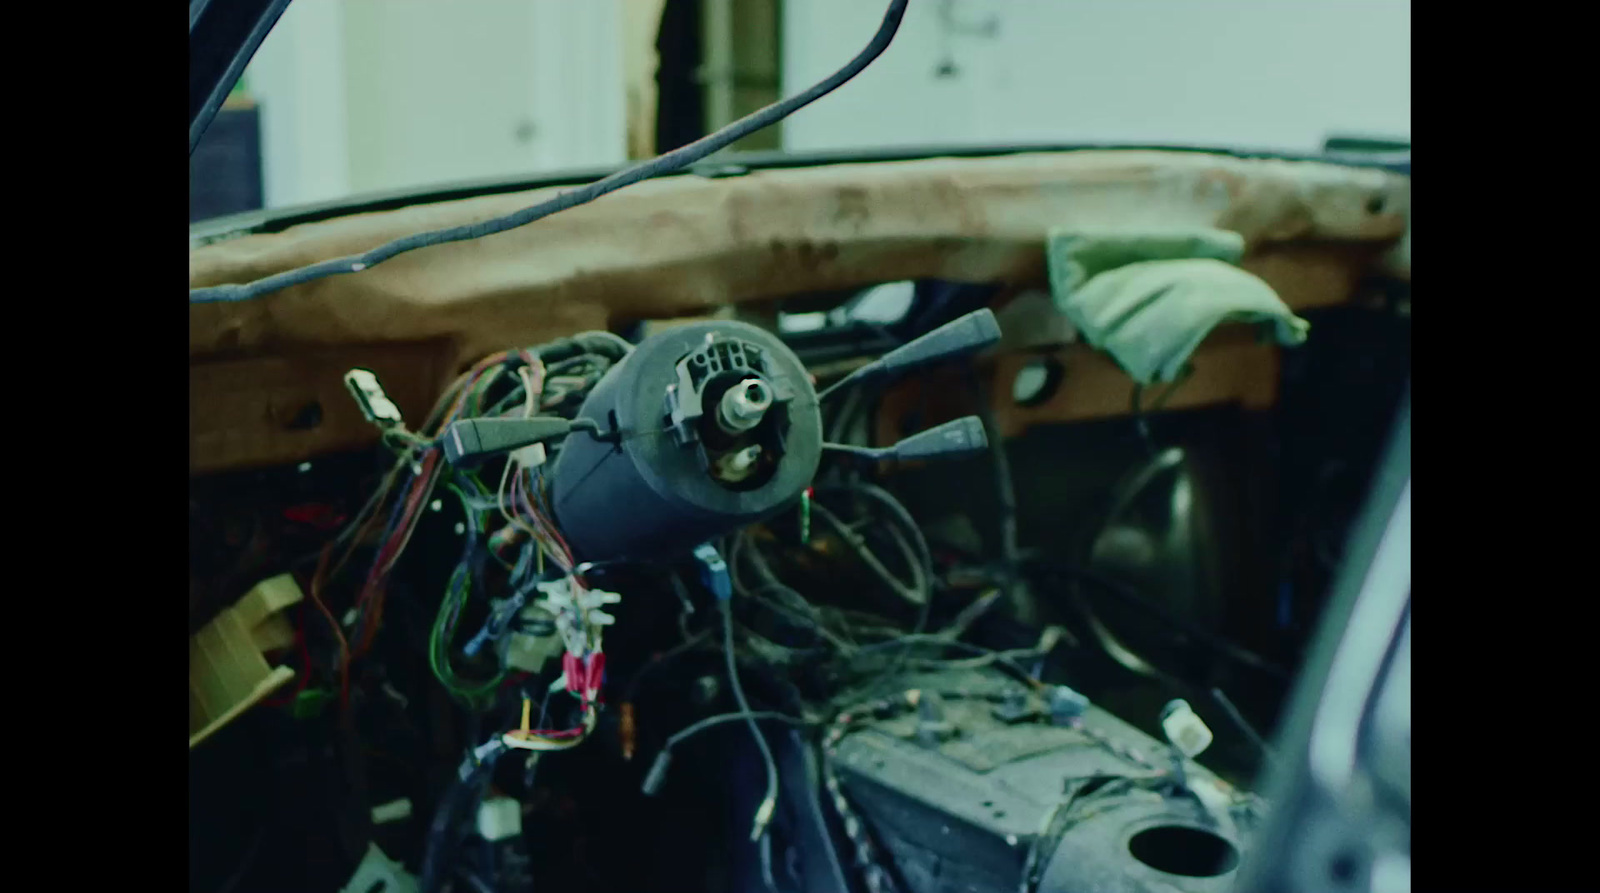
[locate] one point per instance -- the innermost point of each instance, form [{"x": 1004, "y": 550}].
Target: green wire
[
  {"x": 442, "y": 636},
  {"x": 805, "y": 517},
  {"x": 480, "y": 390}
]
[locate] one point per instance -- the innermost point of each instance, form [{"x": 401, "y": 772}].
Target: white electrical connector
[
  {"x": 1184, "y": 729},
  {"x": 370, "y": 397},
  {"x": 557, "y": 592},
  {"x": 499, "y": 818},
  {"x": 392, "y": 811},
  {"x": 594, "y": 598},
  {"x": 531, "y": 456},
  {"x": 529, "y": 652},
  {"x": 575, "y": 612},
  {"x": 590, "y": 601},
  {"x": 763, "y": 818}
]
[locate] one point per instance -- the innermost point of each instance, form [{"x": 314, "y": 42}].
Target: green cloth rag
[{"x": 1149, "y": 297}]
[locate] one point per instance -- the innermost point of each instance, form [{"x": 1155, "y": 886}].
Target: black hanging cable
[
  {"x": 883, "y": 499},
  {"x": 1243, "y": 724},
  {"x": 719, "y": 719},
  {"x": 1005, "y": 490},
  {"x": 672, "y": 161},
  {"x": 770, "y": 801}
]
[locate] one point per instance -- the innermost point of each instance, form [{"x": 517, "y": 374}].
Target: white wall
[
  {"x": 372, "y": 95},
  {"x": 363, "y": 96},
  {"x": 305, "y": 154},
  {"x": 1267, "y": 74}
]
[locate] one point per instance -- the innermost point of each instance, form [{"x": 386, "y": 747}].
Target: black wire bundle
[
  {"x": 836, "y": 631},
  {"x": 921, "y": 553},
  {"x": 449, "y": 821}
]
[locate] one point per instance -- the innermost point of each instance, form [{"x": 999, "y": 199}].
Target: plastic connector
[
  {"x": 228, "y": 667},
  {"x": 530, "y": 456},
  {"x": 583, "y": 675},
  {"x": 714, "y": 571},
  {"x": 657, "y": 776},
  {"x": 1184, "y": 729},
  {"x": 763, "y": 818},
  {"x": 371, "y": 398}
]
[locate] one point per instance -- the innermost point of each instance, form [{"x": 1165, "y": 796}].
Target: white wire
[{"x": 530, "y": 404}]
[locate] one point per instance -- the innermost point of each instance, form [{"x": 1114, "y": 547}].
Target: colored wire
[
  {"x": 333, "y": 624},
  {"x": 524, "y": 495},
  {"x": 375, "y": 590},
  {"x": 441, "y": 641},
  {"x": 410, "y": 483},
  {"x": 442, "y": 636},
  {"x": 305, "y": 665},
  {"x": 526, "y": 732},
  {"x": 549, "y": 739},
  {"x": 407, "y": 512},
  {"x": 530, "y": 393},
  {"x": 505, "y": 478}
]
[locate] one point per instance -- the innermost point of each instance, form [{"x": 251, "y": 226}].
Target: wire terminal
[
  {"x": 372, "y": 399},
  {"x": 714, "y": 571}
]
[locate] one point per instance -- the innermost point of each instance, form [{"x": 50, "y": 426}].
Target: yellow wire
[{"x": 544, "y": 743}]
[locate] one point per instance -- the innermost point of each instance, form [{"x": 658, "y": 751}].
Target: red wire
[
  {"x": 408, "y": 519},
  {"x": 371, "y": 597},
  {"x": 305, "y": 664},
  {"x": 369, "y": 589},
  {"x": 522, "y": 500},
  {"x": 548, "y": 733},
  {"x": 374, "y": 589}
]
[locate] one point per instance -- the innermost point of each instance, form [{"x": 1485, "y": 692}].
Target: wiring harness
[
  {"x": 515, "y": 562},
  {"x": 510, "y": 546},
  {"x": 506, "y": 525}
]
